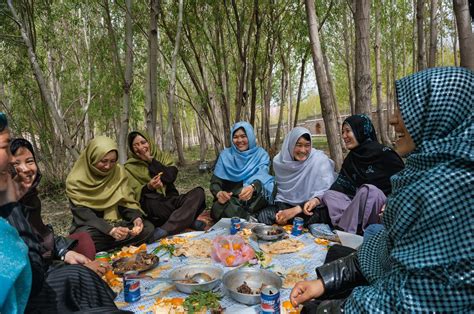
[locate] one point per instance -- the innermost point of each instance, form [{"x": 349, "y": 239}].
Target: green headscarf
[
  {"x": 102, "y": 191},
  {"x": 137, "y": 169}
]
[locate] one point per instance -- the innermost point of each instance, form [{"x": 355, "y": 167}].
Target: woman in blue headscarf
[
  {"x": 422, "y": 261},
  {"x": 241, "y": 184}
]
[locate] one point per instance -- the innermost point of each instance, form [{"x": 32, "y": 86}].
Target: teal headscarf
[
  {"x": 247, "y": 166},
  {"x": 423, "y": 260},
  {"x": 15, "y": 276}
]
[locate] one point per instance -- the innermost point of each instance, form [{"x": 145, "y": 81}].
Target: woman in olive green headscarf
[
  {"x": 151, "y": 176},
  {"x": 102, "y": 202}
]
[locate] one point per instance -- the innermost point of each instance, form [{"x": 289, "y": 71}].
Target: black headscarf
[{"x": 368, "y": 163}]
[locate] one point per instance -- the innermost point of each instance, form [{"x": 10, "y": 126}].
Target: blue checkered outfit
[{"x": 423, "y": 260}]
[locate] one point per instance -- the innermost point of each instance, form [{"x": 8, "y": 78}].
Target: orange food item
[
  {"x": 229, "y": 260},
  {"x": 321, "y": 241},
  {"x": 177, "y": 301},
  {"x": 288, "y": 308},
  {"x": 226, "y": 246},
  {"x": 236, "y": 246}
]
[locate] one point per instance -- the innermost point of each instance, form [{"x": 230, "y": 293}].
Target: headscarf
[
  {"x": 423, "y": 260},
  {"x": 247, "y": 166},
  {"x": 102, "y": 191},
  {"x": 15, "y": 276},
  {"x": 368, "y": 163},
  {"x": 137, "y": 168},
  {"x": 15, "y": 145},
  {"x": 300, "y": 181}
]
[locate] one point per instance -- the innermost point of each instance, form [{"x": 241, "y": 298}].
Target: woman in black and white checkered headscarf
[{"x": 423, "y": 260}]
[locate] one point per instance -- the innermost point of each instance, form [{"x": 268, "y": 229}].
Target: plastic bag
[
  {"x": 231, "y": 250},
  {"x": 323, "y": 231}
]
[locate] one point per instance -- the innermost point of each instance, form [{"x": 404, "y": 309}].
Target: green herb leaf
[
  {"x": 170, "y": 248},
  {"x": 198, "y": 300}
]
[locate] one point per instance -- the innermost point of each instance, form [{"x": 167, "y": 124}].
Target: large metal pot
[{"x": 187, "y": 271}]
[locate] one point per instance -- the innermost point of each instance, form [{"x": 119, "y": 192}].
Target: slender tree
[
  {"x": 327, "y": 106},
  {"x": 466, "y": 37}
]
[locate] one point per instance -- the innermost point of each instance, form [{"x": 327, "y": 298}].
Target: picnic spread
[{"x": 215, "y": 252}]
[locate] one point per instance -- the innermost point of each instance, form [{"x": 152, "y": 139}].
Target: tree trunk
[
  {"x": 172, "y": 89},
  {"x": 327, "y": 107},
  {"x": 202, "y": 138},
  {"x": 151, "y": 92},
  {"x": 413, "y": 42},
  {"x": 466, "y": 37},
  {"x": 363, "y": 81},
  {"x": 378, "y": 78},
  {"x": 433, "y": 33},
  {"x": 300, "y": 89},
  {"x": 421, "y": 34},
  {"x": 348, "y": 62},
  {"x": 40, "y": 80},
  {"x": 455, "y": 42},
  {"x": 128, "y": 81}
]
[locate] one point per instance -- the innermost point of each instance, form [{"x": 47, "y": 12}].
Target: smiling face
[
  {"x": 302, "y": 149},
  {"x": 107, "y": 162},
  {"x": 404, "y": 143},
  {"x": 140, "y": 145},
  {"x": 25, "y": 166},
  {"x": 348, "y": 137},
  {"x": 240, "y": 140}
]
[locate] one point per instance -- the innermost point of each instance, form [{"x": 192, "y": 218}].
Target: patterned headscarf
[
  {"x": 300, "y": 181},
  {"x": 247, "y": 166},
  {"x": 423, "y": 260}
]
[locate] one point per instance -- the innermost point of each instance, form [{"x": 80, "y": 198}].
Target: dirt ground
[{"x": 55, "y": 208}]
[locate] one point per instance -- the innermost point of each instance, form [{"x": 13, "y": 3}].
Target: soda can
[
  {"x": 234, "y": 225},
  {"x": 131, "y": 287},
  {"x": 102, "y": 257},
  {"x": 297, "y": 226},
  {"x": 270, "y": 300}
]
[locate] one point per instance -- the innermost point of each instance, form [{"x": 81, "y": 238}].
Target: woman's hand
[
  {"x": 282, "y": 216},
  {"x": 223, "y": 196},
  {"x": 137, "y": 227},
  {"x": 119, "y": 233},
  {"x": 306, "y": 290},
  {"x": 310, "y": 205},
  {"x": 98, "y": 267},
  {"x": 72, "y": 257},
  {"x": 246, "y": 193},
  {"x": 144, "y": 155},
  {"x": 155, "y": 182}
]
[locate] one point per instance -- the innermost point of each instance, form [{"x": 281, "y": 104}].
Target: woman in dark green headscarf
[
  {"x": 102, "y": 202},
  {"x": 151, "y": 176}
]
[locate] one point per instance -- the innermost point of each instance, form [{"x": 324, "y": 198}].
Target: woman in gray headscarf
[{"x": 302, "y": 175}]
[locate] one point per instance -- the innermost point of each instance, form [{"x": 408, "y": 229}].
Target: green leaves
[
  {"x": 170, "y": 248},
  {"x": 199, "y": 300}
]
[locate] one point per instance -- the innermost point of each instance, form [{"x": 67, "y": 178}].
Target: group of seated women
[
  {"x": 305, "y": 184},
  {"x": 420, "y": 261}
]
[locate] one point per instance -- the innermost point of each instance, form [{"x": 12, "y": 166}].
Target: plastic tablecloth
[{"x": 310, "y": 257}]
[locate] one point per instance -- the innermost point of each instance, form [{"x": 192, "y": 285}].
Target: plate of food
[
  {"x": 269, "y": 233},
  {"x": 139, "y": 262}
]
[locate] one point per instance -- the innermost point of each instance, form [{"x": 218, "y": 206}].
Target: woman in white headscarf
[{"x": 302, "y": 175}]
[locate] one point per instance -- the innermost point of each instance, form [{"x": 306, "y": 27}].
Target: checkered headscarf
[{"x": 423, "y": 261}]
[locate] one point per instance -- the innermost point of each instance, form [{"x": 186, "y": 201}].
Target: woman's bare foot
[{"x": 283, "y": 216}]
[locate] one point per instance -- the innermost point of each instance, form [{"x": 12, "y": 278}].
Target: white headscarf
[{"x": 300, "y": 181}]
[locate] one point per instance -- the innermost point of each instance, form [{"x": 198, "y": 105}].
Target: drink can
[
  {"x": 297, "y": 226},
  {"x": 270, "y": 300},
  {"x": 234, "y": 225},
  {"x": 131, "y": 287},
  {"x": 102, "y": 257}
]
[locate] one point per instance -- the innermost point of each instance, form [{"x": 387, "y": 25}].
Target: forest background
[{"x": 186, "y": 70}]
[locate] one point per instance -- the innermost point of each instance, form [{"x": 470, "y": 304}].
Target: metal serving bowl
[
  {"x": 263, "y": 232},
  {"x": 187, "y": 271},
  {"x": 254, "y": 277}
]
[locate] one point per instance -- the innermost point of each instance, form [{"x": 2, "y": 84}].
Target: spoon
[{"x": 201, "y": 278}]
